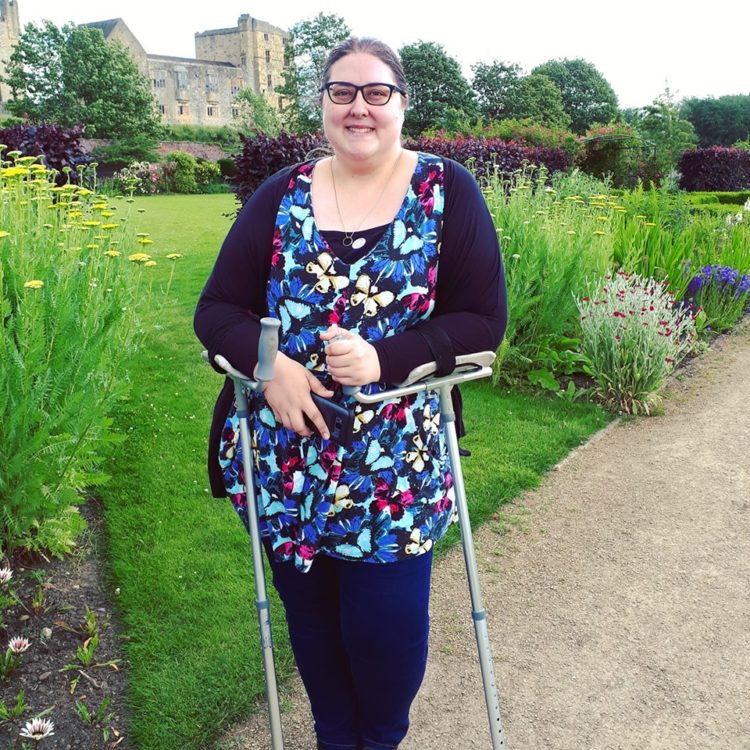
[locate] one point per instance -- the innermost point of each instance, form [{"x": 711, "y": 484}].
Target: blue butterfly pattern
[{"x": 391, "y": 495}]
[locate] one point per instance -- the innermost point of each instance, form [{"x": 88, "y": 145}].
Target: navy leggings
[{"x": 359, "y": 636}]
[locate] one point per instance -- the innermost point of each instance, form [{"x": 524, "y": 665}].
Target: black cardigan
[{"x": 470, "y": 305}]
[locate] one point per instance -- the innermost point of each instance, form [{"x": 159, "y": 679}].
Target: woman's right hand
[{"x": 288, "y": 395}]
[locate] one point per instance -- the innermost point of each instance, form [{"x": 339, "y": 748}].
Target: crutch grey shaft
[
  {"x": 267, "y": 348},
  {"x": 469, "y": 367}
]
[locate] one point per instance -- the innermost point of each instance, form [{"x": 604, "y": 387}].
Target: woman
[{"x": 375, "y": 260}]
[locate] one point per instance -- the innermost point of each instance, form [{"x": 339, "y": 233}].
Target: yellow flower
[
  {"x": 139, "y": 257},
  {"x": 599, "y": 231},
  {"x": 110, "y": 226},
  {"x": 620, "y": 209},
  {"x": 649, "y": 224},
  {"x": 149, "y": 263},
  {"x": 112, "y": 253},
  {"x": 174, "y": 256},
  {"x": 107, "y": 214},
  {"x": 91, "y": 223},
  {"x": 92, "y": 246},
  {"x": 143, "y": 234},
  {"x": 15, "y": 172},
  {"x": 570, "y": 231},
  {"x": 34, "y": 284},
  {"x": 602, "y": 218},
  {"x": 85, "y": 191},
  {"x": 145, "y": 241},
  {"x": 99, "y": 206},
  {"x": 640, "y": 216},
  {"x": 3, "y": 233}
]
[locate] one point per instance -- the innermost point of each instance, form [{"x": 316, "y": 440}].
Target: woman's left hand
[{"x": 350, "y": 359}]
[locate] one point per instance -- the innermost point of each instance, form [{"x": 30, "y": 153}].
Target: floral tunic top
[{"x": 390, "y": 496}]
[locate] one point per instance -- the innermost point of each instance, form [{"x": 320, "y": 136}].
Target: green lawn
[{"x": 180, "y": 558}]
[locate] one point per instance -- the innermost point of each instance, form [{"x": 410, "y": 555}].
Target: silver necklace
[{"x": 349, "y": 240}]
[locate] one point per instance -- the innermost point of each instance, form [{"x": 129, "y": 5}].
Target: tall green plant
[
  {"x": 550, "y": 246},
  {"x": 68, "y": 306}
]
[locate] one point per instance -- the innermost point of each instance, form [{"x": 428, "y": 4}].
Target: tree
[
  {"x": 538, "y": 99},
  {"x": 719, "y": 122},
  {"x": 664, "y": 132},
  {"x": 71, "y": 74},
  {"x": 494, "y": 85},
  {"x": 503, "y": 92},
  {"x": 308, "y": 47},
  {"x": 256, "y": 114},
  {"x": 436, "y": 85},
  {"x": 587, "y": 96}
]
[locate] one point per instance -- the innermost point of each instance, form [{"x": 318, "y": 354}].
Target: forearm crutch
[
  {"x": 267, "y": 349},
  {"x": 468, "y": 367}
]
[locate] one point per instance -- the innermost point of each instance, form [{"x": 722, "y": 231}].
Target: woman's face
[{"x": 360, "y": 131}]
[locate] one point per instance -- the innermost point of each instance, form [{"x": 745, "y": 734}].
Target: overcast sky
[{"x": 639, "y": 46}]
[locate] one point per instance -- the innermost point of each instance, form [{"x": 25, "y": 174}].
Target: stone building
[
  {"x": 10, "y": 31},
  {"x": 200, "y": 90}
]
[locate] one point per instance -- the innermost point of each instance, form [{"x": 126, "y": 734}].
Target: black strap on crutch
[
  {"x": 267, "y": 348},
  {"x": 468, "y": 367}
]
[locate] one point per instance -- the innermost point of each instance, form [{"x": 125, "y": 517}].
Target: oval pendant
[
  {"x": 358, "y": 243},
  {"x": 347, "y": 241}
]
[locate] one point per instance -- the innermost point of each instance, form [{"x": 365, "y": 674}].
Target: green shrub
[
  {"x": 206, "y": 173},
  {"x": 224, "y": 136},
  {"x": 183, "y": 177},
  {"x": 126, "y": 151},
  {"x": 69, "y": 302}
]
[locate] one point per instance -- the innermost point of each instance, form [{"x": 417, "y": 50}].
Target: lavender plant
[
  {"x": 723, "y": 294},
  {"x": 633, "y": 334}
]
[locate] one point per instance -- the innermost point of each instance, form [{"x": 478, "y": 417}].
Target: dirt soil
[
  {"x": 55, "y": 596},
  {"x": 618, "y": 594}
]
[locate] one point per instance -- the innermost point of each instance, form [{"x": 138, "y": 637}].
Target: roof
[
  {"x": 192, "y": 60},
  {"x": 106, "y": 26}
]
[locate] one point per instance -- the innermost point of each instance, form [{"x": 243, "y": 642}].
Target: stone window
[
  {"x": 162, "y": 109},
  {"x": 212, "y": 111},
  {"x": 265, "y": 37},
  {"x": 183, "y": 109},
  {"x": 212, "y": 84},
  {"x": 237, "y": 84},
  {"x": 243, "y": 60},
  {"x": 159, "y": 79},
  {"x": 270, "y": 84},
  {"x": 235, "y": 112},
  {"x": 181, "y": 81},
  {"x": 268, "y": 55}
]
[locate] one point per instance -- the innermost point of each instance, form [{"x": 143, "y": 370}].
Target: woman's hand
[
  {"x": 350, "y": 359},
  {"x": 288, "y": 395}
]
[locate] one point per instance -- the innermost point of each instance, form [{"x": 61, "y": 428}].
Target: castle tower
[
  {"x": 255, "y": 47},
  {"x": 10, "y": 33}
]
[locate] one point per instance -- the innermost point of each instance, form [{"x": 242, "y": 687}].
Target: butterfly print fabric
[{"x": 390, "y": 496}]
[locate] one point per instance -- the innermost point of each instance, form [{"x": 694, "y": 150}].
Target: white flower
[
  {"x": 37, "y": 729},
  {"x": 18, "y": 645},
  {"x": 5, "y": 575}
]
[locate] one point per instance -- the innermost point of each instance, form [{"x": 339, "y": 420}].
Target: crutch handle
[{"x": 268, "y": 346}]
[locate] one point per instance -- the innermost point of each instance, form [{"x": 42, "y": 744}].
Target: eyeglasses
[{"x": 375, "y": 94}]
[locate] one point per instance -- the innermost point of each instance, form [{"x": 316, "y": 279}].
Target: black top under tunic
[{"x": 470, "y": 312}]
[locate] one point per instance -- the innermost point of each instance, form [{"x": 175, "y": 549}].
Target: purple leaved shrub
[{"x": 715, "y": 168}]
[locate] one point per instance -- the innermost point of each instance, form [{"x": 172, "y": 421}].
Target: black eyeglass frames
[{"x": 375, "y": 94}]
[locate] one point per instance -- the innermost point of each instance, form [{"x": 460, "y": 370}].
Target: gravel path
[{"x": 619, "y": 600}]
